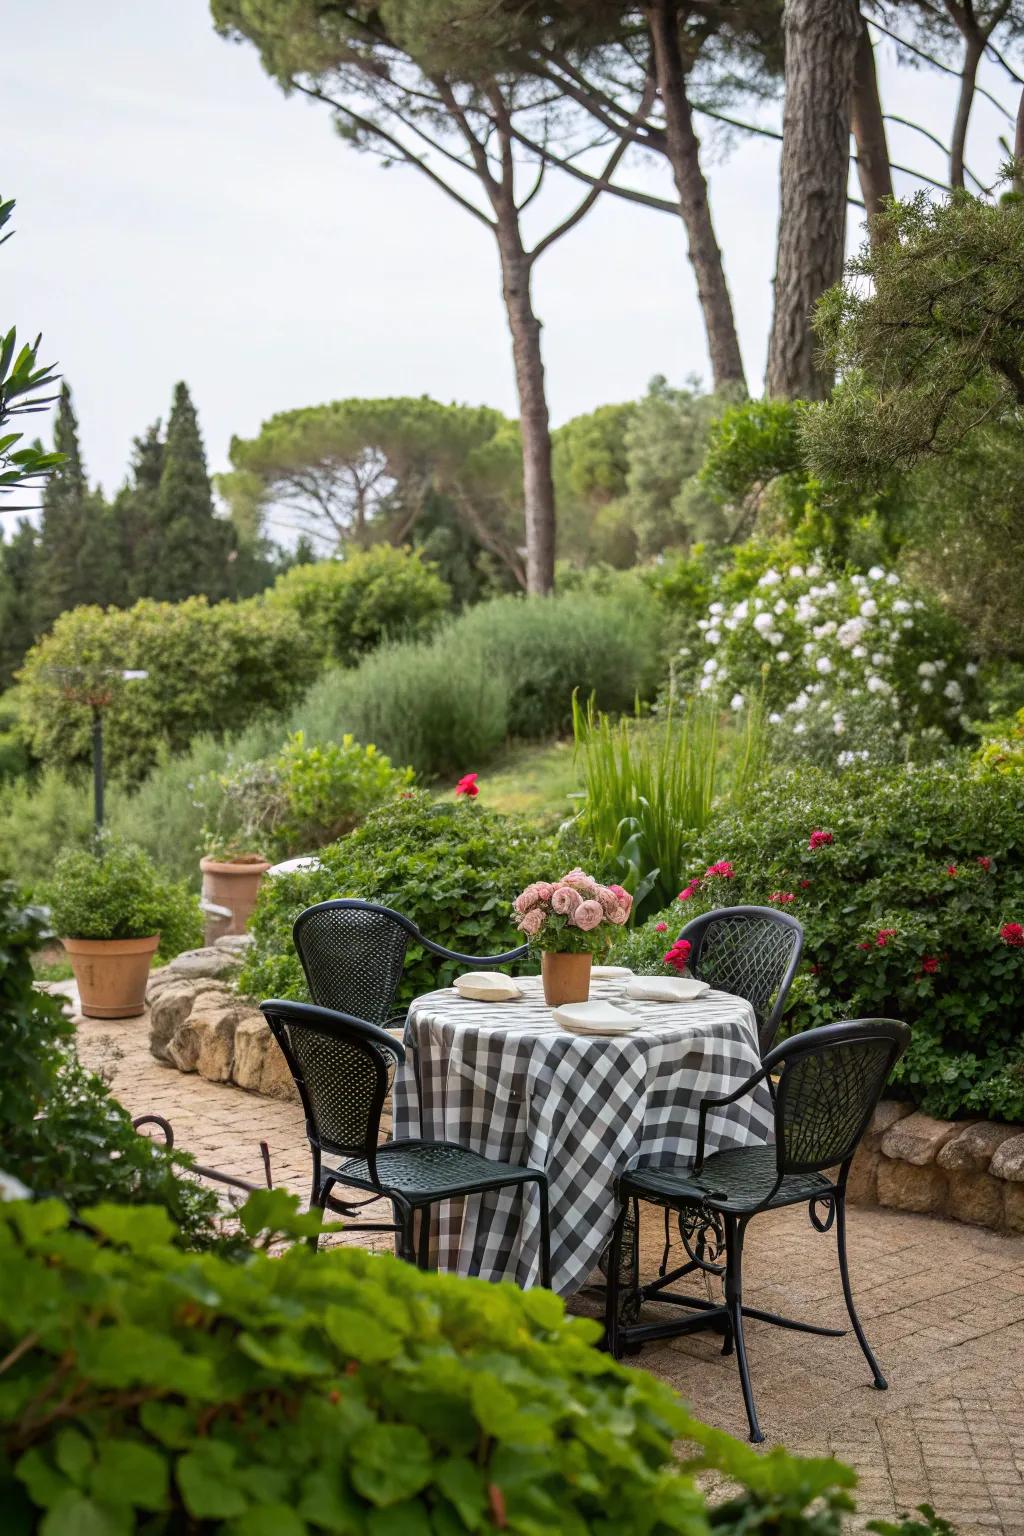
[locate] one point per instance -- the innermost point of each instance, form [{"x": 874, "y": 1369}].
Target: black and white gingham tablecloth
[{"x": 507, "y": 1081}]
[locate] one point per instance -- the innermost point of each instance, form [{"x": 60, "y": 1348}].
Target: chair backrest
[
  {"x": 342, "y": 1069},
  {"x": 752, "y": 952},
  {"x": 352, "y": 953},
  {"x": 826, "y": 1091}
]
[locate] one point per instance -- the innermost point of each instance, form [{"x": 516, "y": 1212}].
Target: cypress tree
[
  {"x": 19, "y": 576},
  {"x": 136, "y": 514},
  {"x": 193, "y": 548}
]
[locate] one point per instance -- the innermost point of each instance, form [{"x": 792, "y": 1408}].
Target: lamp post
[{"x": 81, "y": 685}]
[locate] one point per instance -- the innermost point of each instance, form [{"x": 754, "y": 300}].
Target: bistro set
[{"x": 522, "y": 1151}]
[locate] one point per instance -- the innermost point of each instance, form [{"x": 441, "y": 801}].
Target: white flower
[
  {"x": 831, "y": 588},
  {"x": 876, "y": 573},
  {"x": 918, "y": 603},
  {"x": 706, "y": 683},
  {"x": 876, "y": 684},
  {"x": 783, "y": 656},
  {"x": 799, "y": 728},
  {"x": 926, "y": 686},
  {"x": 823, "y": 664},
  {"x": 901, "y": 605},
  {"x": 716, "y": 608},
  {"x": 771, "y": 578},
  {"x": 741, "y": 610},
  {"x": 800, "y": 703},
  {"x": 796, "y": 571},
  {"x": 869, "y": 608},
  {"x": 731, "y": 624},
  {"x": 828, "y": 628},
  {"x": 813, "y": 570},
  {"x": 849, "y": 634},
  {"x": 737, "y": 701},
  {"x": 712, "y": 636},
  {"x": 774, "y": 638},
  {"x": 774, "y": 718},
  {"x": 809, "y": 648},
  {"x": 878, "y": 659},
  {"x": 892, "y": 579},
  {"x": 926, "y": 669},
  {"x": 907, "y": 624},
  {"x": 838, "y": 725},
  {"x": 710, "y": 667},
  {"x": 703, "y": 623},
  {"x": 781, "y": 605},
  {"x": 762, "y": 623},
  {"x": 953, "y": 691},
  {"x": 971, "y": 669},
  {"x": 859, "y": 652},
  {"x": 940, "y": 665}
]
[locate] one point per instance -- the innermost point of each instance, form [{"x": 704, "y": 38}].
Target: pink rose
[
  {"x": 625, "y": 899},
  {"x": 565, "y": 900},
  {"x": 588, "y": 915},
  {"x": 580, "y": 880},
  {"x": 531, "y": 922},
  {"x": 544, "y": 889},
  {"x": 617, "y": 916},
  {"x": 608, "y": 899},
  {"x": 526, "y": 900}
]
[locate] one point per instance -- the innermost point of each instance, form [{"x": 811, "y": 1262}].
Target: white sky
[{"x": 178, "y": 217}]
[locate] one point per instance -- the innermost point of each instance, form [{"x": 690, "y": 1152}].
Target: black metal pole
[{"x": 97, "y": 768}]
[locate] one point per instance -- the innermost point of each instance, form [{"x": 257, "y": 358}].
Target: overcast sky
[{"x": 178, "y": 217}]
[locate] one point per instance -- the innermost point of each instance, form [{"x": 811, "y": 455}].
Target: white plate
[
  {"x": 594, "y": 1018},
  {"x": 610, "y": 972},
  {"x": 486, "y": 987},
  {"x": 666, "y": 989}
]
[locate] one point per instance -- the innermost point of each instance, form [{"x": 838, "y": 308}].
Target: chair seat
[
  {"x": 736, "y": 1181},
  {"x": 429, "y": 1170}
]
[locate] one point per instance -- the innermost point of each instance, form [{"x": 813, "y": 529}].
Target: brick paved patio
[{"x": 943, "y": 1304}]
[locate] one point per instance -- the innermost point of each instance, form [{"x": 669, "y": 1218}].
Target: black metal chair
[
  {"x": 829, "y": 1081},
  {"x": 352, "y": 953},
  {"x": 342, "y": 1067},
  {"x": 752, "y": 952}
]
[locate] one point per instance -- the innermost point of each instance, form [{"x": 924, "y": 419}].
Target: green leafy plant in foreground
[{"x": 142, "y": 1388}]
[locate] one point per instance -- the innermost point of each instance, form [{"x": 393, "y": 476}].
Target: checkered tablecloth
[{"x": 507, "y": 1081}]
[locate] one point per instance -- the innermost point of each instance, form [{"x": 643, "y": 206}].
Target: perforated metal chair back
[
  {"x": 342, "y": 1069},
  {"x": 352, "y": 954},
  {"x": 752, "y": 952},
  {"x": 830, "y": 1081}
]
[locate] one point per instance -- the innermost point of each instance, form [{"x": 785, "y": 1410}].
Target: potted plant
[
  {"x": 568, "y": 920},
  {"x": 112, "y": 910}
]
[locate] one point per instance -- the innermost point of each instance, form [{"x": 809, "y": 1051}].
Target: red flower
[
  {"x": 723, "y": 868},
  {"x": 985, "y": 863},
  {"x": 804, "y": 884},
  {"x": 929, "y": 965},
  {"x": 467, "y": 785},
  {"x": 883, "y": 936},
  {"x": 782, "y": 898},
  {"x": 1012, "y": 934},
  {"x": 815, "y": 970},
  {"x": 951, "y": 871},
  {"x": 661, "y": 927},
  {"x": 678, "y": 956},
  {"x": 864, "y": 945},
  {"x": 819, "y": 839},
  {"x": 691, "y": 890}
]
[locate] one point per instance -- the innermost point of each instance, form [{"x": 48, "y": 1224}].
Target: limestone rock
[
  {"x": 167, "y": 1011},
  {"x": 194, "y": 963},
  {"x": 276, "y": 1081},
  {"x": 252, "y": 1042},
  {"x": 909, "y": 1187},
  {"x": 974, "y": 1197},
  {"x": 205, "y": 1041},
  {"x": 886, "y": 1114},
  {"x": 973, "y": 1149},
  {"x": 918, "y": 1138},
  {"x": 862, "y": 1183},
  {"x": 1013, "y": 1197},
  {"x": 234, "y": 943},
  {"x": 1008, "y": 1162}
]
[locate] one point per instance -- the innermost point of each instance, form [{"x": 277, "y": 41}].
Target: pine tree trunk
[
  {"x": 868, "y": 126},
  {"x": 684, "y": 156},
  {"x": 821, "y": 39},
  {"x": 974, "y": 47},
  {"x": 534, "y": 425}
]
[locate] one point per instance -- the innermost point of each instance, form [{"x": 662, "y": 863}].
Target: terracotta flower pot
[
  {"x": 566, "y": 978},
  {"x": 111, "y": 974},
  {"x": 233, "y": 884}
]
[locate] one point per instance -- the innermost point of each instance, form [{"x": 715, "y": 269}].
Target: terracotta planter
[
  {"x": 566, "y": 978},
  {"x": 111, "y": 974},
  {"x": 231, "y": 884}
]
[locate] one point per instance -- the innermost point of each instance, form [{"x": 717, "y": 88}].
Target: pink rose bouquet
[{"x": 573, "y": 915}]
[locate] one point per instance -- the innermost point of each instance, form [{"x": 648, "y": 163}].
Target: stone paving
[{"x": 943, "y": 1305}]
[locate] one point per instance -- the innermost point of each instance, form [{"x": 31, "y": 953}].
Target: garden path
[{"x": 942, "y": 1303}]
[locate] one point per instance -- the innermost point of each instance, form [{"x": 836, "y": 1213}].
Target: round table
[{"x": 507, "y": 1081}]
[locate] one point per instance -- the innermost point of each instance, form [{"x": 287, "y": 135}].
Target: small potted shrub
[
  {"x": 568, "y": 920},
  {"x": 112, "y": 911}
]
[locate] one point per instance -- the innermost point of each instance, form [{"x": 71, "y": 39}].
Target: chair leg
[
  {"x": 423, "y": 1247},
  {"x": 734, "y": 1302},
  {"x": 611, "y": 1295},
  {"x": 844, "y": 1270},
  {"x": 545, "y": 1234},
  {"x": 405, "y": 1220},
  {"x": 318, "y": 1201}
]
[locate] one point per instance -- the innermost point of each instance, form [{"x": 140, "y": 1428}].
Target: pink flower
[
  {"x": 819, "y": 839},
  {"x": 532, "y": 922},
  {"x": 723, "y": 869},
  {"x": 985, "y": 863},
  {"x": 622, "y": 894},
  {"x": 526, "y": 900},
  {"x": 691, "y": 890},
  {"x": 678, "y": 956},
  {"x": 544, "y": 889},
  {"x": 1012, "y": 934},
  {"x": 661, "y": 927},
  {"x": 929, "y": 965},
  {"x": 467, "y": 785},
  {"x": 782, "y": 898},
  {"x": 951, "y": 871},
  {"x": 608, "y": 899},
  {"x": 564, "y": 900},
  {"x": 618, "y": 916},
  {"x": 588, "y": 915},
  {"x": 580, "y": 880}
]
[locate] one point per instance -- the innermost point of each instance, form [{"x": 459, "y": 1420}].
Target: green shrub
[
  {"x": 338, "y": 1392},
  {"x": 906, "y": 902},
  {"x": 116, "y": 892},
  {"x": 347, "y": 607},
  {"x": 210, "y": 669},
  {"x": 305, "y": 797},
  {"x": 60, "y": 1131},
  {"x": 39, "y": 817},
  {"x": 1003, "y": 748},
  {"x": 453, "y": 868}
]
